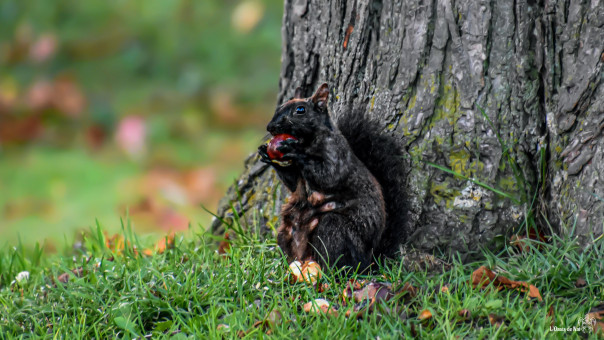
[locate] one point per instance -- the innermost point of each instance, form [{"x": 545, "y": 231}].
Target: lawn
[{"x": 110, "y": 287}]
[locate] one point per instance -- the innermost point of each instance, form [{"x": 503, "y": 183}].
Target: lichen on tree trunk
[{"x": 506, "y": 93}]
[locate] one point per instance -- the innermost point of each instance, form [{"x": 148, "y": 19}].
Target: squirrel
[{"x": 346, "y": 204}]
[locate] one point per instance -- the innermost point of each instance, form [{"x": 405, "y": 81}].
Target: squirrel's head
[{"x": 302, "y": 117}]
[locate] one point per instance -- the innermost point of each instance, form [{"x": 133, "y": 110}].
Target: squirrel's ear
[
  {"x": 320, "y": 97},
  {"x": 298, "y": 93}
]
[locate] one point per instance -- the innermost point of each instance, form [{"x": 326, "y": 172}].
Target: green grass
[{"x": 190, "y": 290}]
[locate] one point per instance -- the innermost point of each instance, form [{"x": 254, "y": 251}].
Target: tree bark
[{"x": 506, "y": 93}]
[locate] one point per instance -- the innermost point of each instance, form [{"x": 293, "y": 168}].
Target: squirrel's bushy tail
[{"x": 382, "y": 154}]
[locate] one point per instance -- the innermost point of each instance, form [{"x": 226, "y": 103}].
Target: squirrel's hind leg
[{"x": 333, "y": 245}]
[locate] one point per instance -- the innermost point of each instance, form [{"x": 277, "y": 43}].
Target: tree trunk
[{"x": 507, "y": 93}]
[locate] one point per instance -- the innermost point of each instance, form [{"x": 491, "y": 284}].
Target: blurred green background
[{"x": 112, "y": 107}]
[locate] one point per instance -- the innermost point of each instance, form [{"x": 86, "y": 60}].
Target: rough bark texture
[{"x": 432, "y": 72}]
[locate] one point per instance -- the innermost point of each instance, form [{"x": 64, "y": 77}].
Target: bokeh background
[{"x": 111, "y": 108}]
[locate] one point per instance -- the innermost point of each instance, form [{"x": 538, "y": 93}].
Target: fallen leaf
[
  {"x": 517, "y": 241},
  {"x": 550, "y": 315},
  {"x": 114, "y": 243},
  {"x": 522, "y": 241},
  {"x": 483, "y": 276},
  {"x": 424, "y": 315},
  {"x": 77, "y": 272},
  {"x": 164, "y": 243},
  {"x": 580, "y": 283},
  {"x": 595, "y": 318},
  {"x": 225, "y": 244},
  {"x": 63, "y": 278},
  {"x": 496, "y": 320},
  {"x": 262, "y": 324},
  {"x": 464, "y": 314},
  {"x": 408, "y": 290}
]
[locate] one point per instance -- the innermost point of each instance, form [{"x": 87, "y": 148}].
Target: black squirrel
[{"x": 347, "y": 202}]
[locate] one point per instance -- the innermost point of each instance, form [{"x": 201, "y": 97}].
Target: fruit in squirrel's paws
[{"x": 275, "y": 143}]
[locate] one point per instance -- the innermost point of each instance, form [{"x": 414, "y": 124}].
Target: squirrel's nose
[{"x": 271, "y": 128}]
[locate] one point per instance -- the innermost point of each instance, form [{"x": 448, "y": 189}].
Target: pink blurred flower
[
  {"x": 131, "y": 135},
  {"x": 43, "y": 48}
]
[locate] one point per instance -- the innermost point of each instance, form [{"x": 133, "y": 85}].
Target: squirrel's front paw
[
  {"x": 266, "y": 158},
  {"x": 263, "y": 152},
  {"x": 289, "y": 146}
]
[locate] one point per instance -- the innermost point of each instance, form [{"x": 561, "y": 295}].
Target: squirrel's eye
[{"x": 300, "y": 110}]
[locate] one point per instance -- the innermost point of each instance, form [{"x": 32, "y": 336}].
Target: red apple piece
[{"x": 275, "y": 143}]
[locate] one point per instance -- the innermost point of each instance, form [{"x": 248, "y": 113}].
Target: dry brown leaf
[
  {"x": 596, "y": 320},
  {"x": 115, "y": 243},
  {"x": 225, "y": 244},
  {"x": 77, "y": 272},
  {"x": 465, "y": 314},
  {"x": 517, "y": 241},
  {"x": 63, "y": 278},
  {"x": 483, "y": 276},
  {"x": 164, "y": 243},
  {"x": 424, "y": 315},
  {"x": 409, "y": 290},
  {"x": 522, "y": 241},
  {"x": 496, "y": 320},
  {"x": 550, "y": 315}
]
